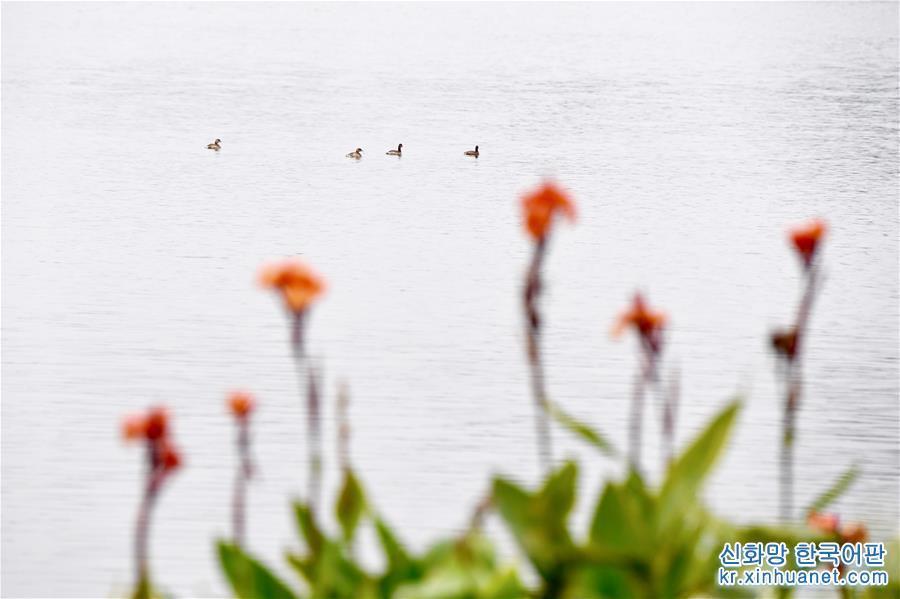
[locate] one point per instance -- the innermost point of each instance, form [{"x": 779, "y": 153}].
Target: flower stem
[
  {"x": 793, "y": 382},
  {"x": 343, "y": 407},
  {"x": 786, "y": 474},
  {"x": 308, "y": 387},
  {"x": 142, "y": 529},
  {"x": 244, "y": 471},
  {"x": 533, "y": 326},
  {"x": 315, "y": 440},
  {"x": 634, "y": 429},
  {"x": 670, "y": 412},
  {"x": 645, "y": 378}
]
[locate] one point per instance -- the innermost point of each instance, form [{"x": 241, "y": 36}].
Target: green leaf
[
  {"x": 539, "y": 521},
  {"x": 558, "y": 492},
  {"x": 351, "y": 505},
  {"x": 401, "y": 567},
  {"x": 304, "y": 566},
  {"x": 838, "y": 488},
  {"x": 310, "y": 531},
  {"x": 143, "y": 589},
  {"x": 512, "y": 503},
  {"x": 249, "y": 579},
  {"x": 338, "y": 576},
  {"x": 464, "y": 568},
  {"x": 333, "y": 573},
  {"x": 602, "y": 582},
  {"x": 687, "y": 473},
  {"x": 623, "y": 523},
  {"x": 397, "y": 557},
  {"x": 580, "y": 429}
]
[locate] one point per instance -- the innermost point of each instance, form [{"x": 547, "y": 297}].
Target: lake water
[{"x": 691, "y": 136}]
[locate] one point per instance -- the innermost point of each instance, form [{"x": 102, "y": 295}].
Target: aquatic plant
[
  {"x": 300, "y": 287},
  {"x": 642, "y": 541},
  {"x": 162, "y": 459},
  {"x": 649, "y": 326},
  {"x": 539, "y": 210},
  {"x": 241, "y": 404},
  {"x": 787, "y": 343}
]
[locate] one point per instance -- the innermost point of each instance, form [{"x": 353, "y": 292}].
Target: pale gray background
[{"x": 691, "y": 136}]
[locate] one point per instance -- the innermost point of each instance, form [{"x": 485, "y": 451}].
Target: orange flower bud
[
  {"x": 241, "y": 404},
  {"x": 540, "y": 206},
  {"x": 826, "y": 523},
  {"x": 785, "y": 343},
  {"x": 298, "y": 284},
  {"x": 648, "y": 323},
  {"x": 806, "y": 237},
  {"x": 134, "y": 427}
]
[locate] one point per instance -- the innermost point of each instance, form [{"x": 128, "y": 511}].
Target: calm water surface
[{"x": 691, "y": 135}]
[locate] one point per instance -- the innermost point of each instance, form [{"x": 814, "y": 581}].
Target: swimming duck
[
  {"x": 397, "y": 152},
  {"x": 356, "y": 154},
  {"x": 216, "y": 145},
  {"x": 473, "y": 152}
]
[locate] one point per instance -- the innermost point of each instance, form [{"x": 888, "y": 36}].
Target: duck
[
  {"x": 397, "y": 152},
  {"x": 216, "y": 145},
  {"x": 355, "y": 154},
  {"x": 473, "y": 152}
]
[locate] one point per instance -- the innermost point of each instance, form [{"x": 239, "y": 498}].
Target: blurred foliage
[
  {"x": 838, "y": 488},
  {"x": 640, "y": 543}
]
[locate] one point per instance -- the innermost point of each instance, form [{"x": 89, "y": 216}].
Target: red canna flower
[
  {"x": 827, "y": 523},
  {"x": 162, "y": 459},
  {"x": 806, "y": 238},
  {"x": 298, "y": 284},
  {"x": 156, "y": 423},
  {"x": 241, "y": 404},
  {"x": 648, "y": 323},
  {"x": 540, "y": 206}
]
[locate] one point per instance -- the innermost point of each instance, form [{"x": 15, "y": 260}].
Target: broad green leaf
[
  {"x": 338, "y": 576},
  {"x": 463, "y": 568},
  {"x": 306, "y": 567},
  {"x": 333, "y": 573},
  {"x": 558, "y": 492},
  {"x": 396, "y": 555},
  {"x": 512, "y": 503},
  {"x": 682, "y": 558},
  {"x": 610, "y": 525},
  {"x": 687, "y": 473},
  {"x": 474, "y": 550},
  {"x": 638, "y": 493},
  {"x": 580, "y": 429},
  {"x": 306, "y": 522},
  {"x": 603, "y": 582},
  {"x": 539, "y": 521},
  {"x": 351, "y": 505},
  {"x": 838, "y": 488},
  {"x": 503, "y": 584},
  {"x": 249, "y": 579},
  {"x": 622, "y": 523},
  {"x": 401, "y": 567}
]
